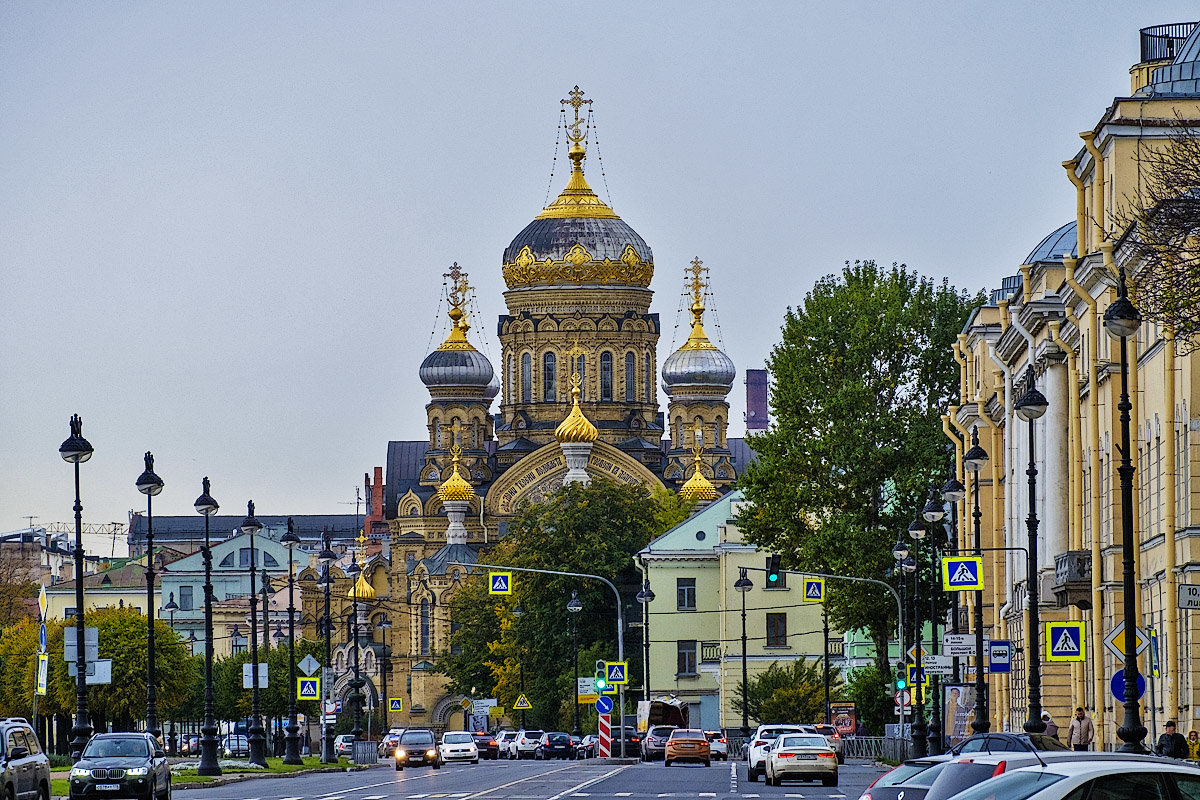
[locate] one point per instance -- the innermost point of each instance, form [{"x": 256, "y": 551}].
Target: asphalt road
[{"x": 535, "y": 780}]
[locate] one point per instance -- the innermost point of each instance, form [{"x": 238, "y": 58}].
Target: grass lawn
[{"x": 60, "y": 787}]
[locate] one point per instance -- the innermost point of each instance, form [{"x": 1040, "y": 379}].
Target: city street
[{"x": 534, "y": 780}]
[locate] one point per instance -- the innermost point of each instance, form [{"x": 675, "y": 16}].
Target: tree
[
  {"x": 860, "y": 379},
  {"x": 868, "y": 689},
  {"x": 18, "y": 582},
  {"x": 787, "y": 693}
]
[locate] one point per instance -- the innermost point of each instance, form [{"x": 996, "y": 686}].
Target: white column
[
  {"x": 1054, "y": 495},
  {"x": 456, "y": 512}
]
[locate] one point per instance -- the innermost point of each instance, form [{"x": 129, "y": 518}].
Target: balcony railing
[{"x": 1162, "y": 42}]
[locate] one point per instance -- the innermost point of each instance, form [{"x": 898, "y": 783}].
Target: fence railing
[{"x": 366, "y": 752}]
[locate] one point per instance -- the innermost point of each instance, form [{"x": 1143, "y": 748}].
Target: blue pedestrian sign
[
  {"x": 42, "y": 639},
  {"x": 1117, "y": 684},
  {"x": 1065, "y": 641},
  {"x": 499, "y": 583},
  {"x": 308, "y": 688},
  {"x": 814, "y": 590},
  {"x": 1000, "y": 655},
  {"x": 604, "y": 705},
  {"x": 617, "y": 671},
  {"x": 962, "y": 573},
  {"x": 395, "y": 704}
]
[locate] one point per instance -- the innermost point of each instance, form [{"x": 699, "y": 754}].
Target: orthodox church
[{"x": 573, "y": 398}]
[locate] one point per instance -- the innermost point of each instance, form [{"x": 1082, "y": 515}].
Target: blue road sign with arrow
[
  {"x": 604, "y": 705},
  {"x": 1117, "y": 684}
]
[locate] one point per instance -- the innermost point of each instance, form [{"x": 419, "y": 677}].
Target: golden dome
[
  {"x": 455, "y": 487},
  {"x": 577, "y": 198},
  {"x": 698, "y": 487},
  {"x": 576, "y": 427}
]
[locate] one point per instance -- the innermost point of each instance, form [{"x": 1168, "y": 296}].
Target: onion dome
[
  {"x": 455, "y": 487},
  {"x": 698, "y": 363},
  {"x": 576, "y": 427},
  {"x": 456, "y": 363},
  {"x": 362, "y": 589},
  {"x": 577, "y": 239},
  {"x": 698, "y": 487}
]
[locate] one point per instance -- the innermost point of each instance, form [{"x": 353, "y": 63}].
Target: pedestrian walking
[
  {"x": 1081, "y": 732},
  {"x": 1051, "y": 725},
  {"x": 1171, "y": 744}
]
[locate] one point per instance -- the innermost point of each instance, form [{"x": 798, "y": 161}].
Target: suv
[
  {"x": 504, "y": 740},
  {"x": 756, "y": 752},
  {"x": 654, "y": 745},
  {"x": 24, "y": 768},
  {"x": 525, "y": 745},
  {"x": 121, "y": 765},
  {"x": 417, "y": 748}
]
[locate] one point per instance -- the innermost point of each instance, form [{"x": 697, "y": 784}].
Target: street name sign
[
  {"x": 1189, "y": 596},
  {"x": 962, "y": 573},
  {"x": 1065, "y": 641},
  {"x": 1114, "y": 642},
  {"x": 499, "y": 583},
  {"x": 960, "y": 644}
]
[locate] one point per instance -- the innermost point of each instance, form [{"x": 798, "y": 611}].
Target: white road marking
[
  {"x": 520, "y": 780},
  {"x": 588, "y": 783}
]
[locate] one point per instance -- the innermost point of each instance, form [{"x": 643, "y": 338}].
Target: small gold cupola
[
  {"x": 698, "y": 487},
  {"x": 456, "y": 369},
  {"x": 362, "y": 589},
  {"x": 576, "y": 427},
  {"x": 456, "y": 487}
]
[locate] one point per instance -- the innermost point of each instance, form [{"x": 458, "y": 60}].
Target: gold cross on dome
[
  {"x": 576, "y": 101},
  {"x": 697, "y": 271},
  {"x": 362, "y": 547},
  {"x": 459, "y": 286}
]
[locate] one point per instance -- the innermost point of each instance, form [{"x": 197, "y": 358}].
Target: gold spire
[
  {"x": 577, "y": 199},
  {"x": 362, "y": 589},
  {"x": 457, "y": 296},
  {"x": 576, "y": 427},
  {"x": 698, "y": 487},
  {"x": 698, "y": 340},
  {"x": 455, "y": 487}
]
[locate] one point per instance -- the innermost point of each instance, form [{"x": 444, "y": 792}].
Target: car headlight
[
  {"x": 137, "y": 772},
  {"x": 79, "y": 772},
  {"x": 400, "y": 754},
  {"x": 431, "y": 753}
]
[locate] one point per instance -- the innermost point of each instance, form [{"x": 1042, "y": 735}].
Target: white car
[
  {"x": 831, "y": 735},
  {"x": 1106, "y": 777},
  {"x": 763, "y": 738},
  {"x": 458, "y": 746},
  {"x": 504, "y": 742},
  {"x": 525, "y": 745},
  {"x": 717, "y": 744},
  {"x": 803, "y": 756}
]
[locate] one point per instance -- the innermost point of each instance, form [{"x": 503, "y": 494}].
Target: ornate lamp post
[
  {"x": 933, "y": 513},
  {"x": 209, "y": 765},
  {"x": 919, "y": 730},
  {"x": 1122, "y": 320},
  {"x": 385, "y": 666},
  {"x": 973, "y": 461},
  {"x": 1030, "y": 407},
  {"x": 256, "y": 736},
  {"x": 573, "y": 608},
  {"x": 327, "y": 557},
  {"x": 292, "y": 752},
  {"x": 743, "y": 584},
  {"x": 952, "y": 492},
  {"x": 150, "y": 484},
  {"x": 75, "y": 450},
  {"x": 356, "y": 697},
  {"x": 645, "y": 597}
]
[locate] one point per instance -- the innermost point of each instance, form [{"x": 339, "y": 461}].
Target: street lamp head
[
  {"x": 1032, "y": 405},
  {"x": 250, "y": 524},
  {"x": 171, "y": 607},
  {"x": 148, "y": 483},
  {"x": 192, "y": 637},
  {"x": 384, "y": 624},
  {"x": 743, "y": 583},
  {"x": 909, "y": 565},
  {"x": 1122, "y": 319},
  {"x": 278, "y": 634},
  {"x": 353, "y": 570},
  {"x": 204, "y": 503},
  {"x": 646, "y": 595},
  {"x": 324, "y": 581},
  {"x": 916, "y": 530},
  {"x": 290, "y": 540},
  {"x": 574, "y": 606},
  {"x": 517, "y": 611},
  {"x": 76, "y": 449},
  {"x": 975, "y": 458},
  {"x": 933, "y": 511},
  {"x": 900, "y": 551},
  {"x": 236, "y": 633},
  {"x": 953, "y": 491}
]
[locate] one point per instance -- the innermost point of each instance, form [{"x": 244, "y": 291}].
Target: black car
[
  {"x": 1001, "y": 742},
  {"x": 487, "y": 745},
  {"x": 121, "y": 765},
  {"x": 24, "y": 768},
  {"x": 417, "y": 748},
  {"x": 554, "y": 744}
]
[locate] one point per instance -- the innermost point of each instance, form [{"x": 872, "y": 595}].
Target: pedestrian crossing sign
[
  {"x": 962, "y": 573},
  {"x": 499, "y": 583},
  {"x": 395, "y": 704},
  {"x": 814, "y": 590},
  {"x": 522, "y": 704},
  {"x": 1065, "y": 641},
  {"x": 617, "y": 671},
  {"x": 308, "y": 688}
]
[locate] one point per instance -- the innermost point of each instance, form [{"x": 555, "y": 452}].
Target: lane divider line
[{"x": 588, "y": 783}]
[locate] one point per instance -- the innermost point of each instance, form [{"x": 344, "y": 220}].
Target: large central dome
[{"x": 578, "y": 241}]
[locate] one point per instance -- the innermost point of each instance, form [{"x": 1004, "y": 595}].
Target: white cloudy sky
[{"x": 223, "y": 225}]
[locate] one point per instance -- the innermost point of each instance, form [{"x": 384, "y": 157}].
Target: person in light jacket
[{"x": 1081, "y": 732}]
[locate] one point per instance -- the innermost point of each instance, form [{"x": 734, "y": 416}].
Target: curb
[{"x": 225, "y": 780}]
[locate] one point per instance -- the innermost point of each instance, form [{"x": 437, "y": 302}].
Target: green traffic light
[{"x": 901, "y": 683}]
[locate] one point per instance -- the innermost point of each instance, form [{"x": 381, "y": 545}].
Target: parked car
[
  {"x": 236, "y": 745},
  {"x": 189, "y": 745},
  {"x": 801, "y": 756},
  {"x": 24, "y": 767},
  {"x": 1112, "y": 775},
  {"x": 833, "y": 737},
  {"x": 553, "y": 744},
  {"x": 458, "y": 746},
  {"x": 525, "y": 744},
  {"x": 654, "y": 744},
  {"x": 686, "y": 744},
  {"x": 763, "y": 738},
  {"x": 487, "y": 744},
  {"x": 504, "y": 743},
  {"x": 417, "y": 748},
  {"x": 907, "y": 781},
  {"x": 343, "y": 745},
  {"x": 587, "y": 746},
  {"x": 121, "y": 765},
  {"x": 387, "y": 745},
  {"x": 964, "y": 771},
  {"x": 717, "y": 745},
  {"x": 1001, "y": 742}
]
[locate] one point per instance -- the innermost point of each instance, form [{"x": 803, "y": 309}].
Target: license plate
[
  {"x": 108, "y": 787},
  {"x": 806, "y": 757},
  {"x": 687, "y": 746}
]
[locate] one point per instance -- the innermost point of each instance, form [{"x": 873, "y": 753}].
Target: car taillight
[
  {"x": 786, "y": 755},
  {"x": 837, "y": 735},
  {"x": 722, "y": 741},
  {"x": 759, "y": 744},
  {"x": 829, "y": 754},
  {"x": 999, "y": 770}
]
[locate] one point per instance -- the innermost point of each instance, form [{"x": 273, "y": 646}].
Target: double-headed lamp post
[
  {"x": 291, "y": 753},
  {"x": 1031, "y": 406},
  {"x": 327, "y": 557},
  {"x": 743, "y": 584},
  {"x": 973, "y": 461},
  {"x": 1122, "y": 320},
  {"x": 356, "y": 695},
  {"x": 645, "y": 597},
  {"x": 149, "y": 484},
  {"x": 573, "y": 608},
  {"x": 76, "y": 450},
  {"x": 209, "y": 765},
  {"x": 933, "y": 513},
  {"x": 255, "y": 735}
]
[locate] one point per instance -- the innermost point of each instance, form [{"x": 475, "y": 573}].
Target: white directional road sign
[
  {"x": 248, "y": 676},
  {"x": 960, "y": 644},
  {"x": 1189, "y": 596},
  {"x": 938, "y": 665}
]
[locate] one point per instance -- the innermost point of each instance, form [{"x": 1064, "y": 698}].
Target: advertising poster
[
  {"x": 844, "y": 718},
  {"x": 958, "y": 706}
]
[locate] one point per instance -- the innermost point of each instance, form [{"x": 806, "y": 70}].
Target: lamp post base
[
  {"x": 257, "y": 739},
  {"x": 291, "y": 753}
]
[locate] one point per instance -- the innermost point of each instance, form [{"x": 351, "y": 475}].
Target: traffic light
[
  {"x": 600, "y": 681},
  {"x": 773, "y": 572},
  {"x": 901, "y": 677}
]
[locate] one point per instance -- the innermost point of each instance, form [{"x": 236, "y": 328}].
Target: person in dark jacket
[{"x": 1171, "y": 744}]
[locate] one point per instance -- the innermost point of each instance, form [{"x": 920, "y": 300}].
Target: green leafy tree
[
  {"x": 862, "y": 374},
  {"x": 788, "y": 693},
  {"x": 868, "y": 689}
]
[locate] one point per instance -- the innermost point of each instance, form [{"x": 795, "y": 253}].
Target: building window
[
  {"x": 606, "y": 375},
  {"x": 776, "y": 630},
  {"x": 239, "y": 644},
  {"x": 782, "y": 582},
  {"x": 526, "y": 378},
  {"x": 710, "y": 652},
  {"x": 269, "y": 560},
  {"x": 185, "y": 598},
  {"x": 227, "y": 561},
  {"x": 630, "y": 378},
  {"x": 686, "y": 649},
  {"x": 1181, "y": 473},
  {"x": 425, "y": 626},
  {"x": 244, "y": 559},
  {"x": 685, "y": 594},
  {"x": 549, "y": 377},
  {"x": 455, "y": 648},
  {"x": 510, "y": 380},
  {"x": 648, "y": 377}
]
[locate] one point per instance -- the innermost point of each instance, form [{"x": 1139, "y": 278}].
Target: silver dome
[
  {"x": 467, "y": 368},
  {"x": 698, "y": 367}
]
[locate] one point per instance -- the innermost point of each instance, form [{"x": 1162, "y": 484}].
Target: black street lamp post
[
  {"x": 209, "y": 764},
  {"x": 973, "y": 461},
  {"x": 919, "y": 729},
  {"x": 150, "y": 484},
  {"x": 743, "y": 584},
  {"x": 292, "y": 752},
  {"x": 1122, "y": 320},
  {"x": 256, "y": 736},
  {"x": 933, "y": 513},
  {"x": 327, "y": 557},
  {"x": 385, "y": 666},
  {"x": 952, "y": 492},
  {"x": 356, "y": 696},
  {"x": 75, "y": 450},
  {"x": 1030, "y": 407},
  {"x": 517, "y": 611},
  {"x": 645, "y": 597},
  {"x": 573, "y": 608}
]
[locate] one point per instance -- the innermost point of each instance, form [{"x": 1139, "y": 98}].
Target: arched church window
[
  {"x": 425, "y": 623},
  {"x": 526, "y": 378},
  {"x": 510, "y": 379},
  {"x": 581, "y": 368},
  {"x": 437, "y": 434},
  {"x": 549, "y": 377},
  {"x": 606, "y": 376},
  {"x": 630, "y": 378},
  {"x": 648, "y": 377}
]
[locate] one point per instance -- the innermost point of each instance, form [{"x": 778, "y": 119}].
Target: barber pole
[{"x": 605, "y": 744}]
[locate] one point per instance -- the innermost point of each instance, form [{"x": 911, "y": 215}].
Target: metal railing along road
[{"x": 365, "y": 752}]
